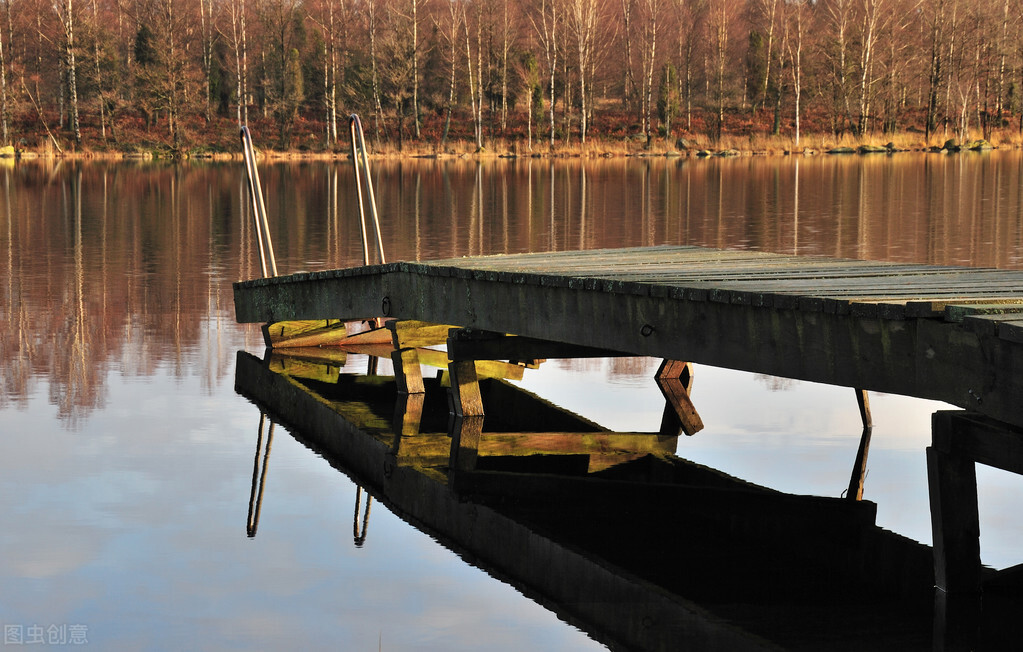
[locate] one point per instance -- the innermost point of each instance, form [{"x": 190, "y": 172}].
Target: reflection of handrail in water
[
  {"x": 359, "y": 148},
  {"x": 266, "y": 248},
  {"x": 360, "y": 535},
  {"x": 259, "y": 477}
]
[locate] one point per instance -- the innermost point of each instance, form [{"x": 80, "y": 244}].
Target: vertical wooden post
[
  {"x": 863, "y": 401},
  {"x": 408, "y": 414},
  {"x": 859, "y": 472},
  {"x": 408, "y": 375},
  {"x": 466, "y": 433},
  {"x": 465, "y": 389},
  {"x": 675, "y": 380},
  {"x": 955, "y": 521}
]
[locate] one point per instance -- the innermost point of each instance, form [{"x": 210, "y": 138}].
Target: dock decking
[{"x": 953, "y": 334}]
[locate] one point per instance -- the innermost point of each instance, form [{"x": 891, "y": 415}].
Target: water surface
[{"x": 126, "y": 456}]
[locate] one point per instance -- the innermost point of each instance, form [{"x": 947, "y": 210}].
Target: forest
[{"x": 537, "y": 75}]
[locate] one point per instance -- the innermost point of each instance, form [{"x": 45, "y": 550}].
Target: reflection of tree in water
[
  {"x": 107, "y": 267},
  {"x": 75, "y": 385},
  {"x": 611, "y": 368},
  {"x": 16, "y": 348},
  {"x": 775, "y": 383},
  {"x": 127, "y": 266}
]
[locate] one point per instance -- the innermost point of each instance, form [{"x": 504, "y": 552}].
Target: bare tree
[
  {"x": 722, "y": 15},
  {"x": 455, "y": 18},
  {"x": 475, "y": 83},
  {"x": 238, "y": 38},
  {"x": 649, "y": 18},
  {"x": 875, "y": 16},
  {"x": 282, "y": 67},
  {"x": 66, "y": 12},
  {"x": 767, "y": 11},
  {"x": 794, "y": 33},
  {"x": 589, "y": 28},
  {"x": 373, "y": 25},
  {"x": 208, "y": 35},
  {"x": 547, "y": 30},
  {"x": 838, "y": 18}
]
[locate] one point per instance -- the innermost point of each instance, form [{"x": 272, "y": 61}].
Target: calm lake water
[{"x": 126, "y": 455}]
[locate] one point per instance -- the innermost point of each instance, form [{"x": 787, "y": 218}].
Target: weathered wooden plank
[
  {"x": 437, "y": 445},
  {"x": 323, "y": 370},
  {"x": 411, "y": 333},
  {"x": 935, "y": 307},
  {"x": 296, "y": 334},
  {"x": 1011, "y": 331},
  {"x": 484, "y": 368},
  {"x": 958, "y": 312},
  {"x": 371, "y": 336}
]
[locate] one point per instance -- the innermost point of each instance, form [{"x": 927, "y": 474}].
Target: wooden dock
[{"x": 953, "y": 334}]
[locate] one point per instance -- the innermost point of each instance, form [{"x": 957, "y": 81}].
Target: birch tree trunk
[
  {"x": 415, "y": 65},
  {"x": 65, "y": 12},
  {"x": 547, "y": 31},
  {"x": 770, "y": 9},
  {"x": 371, "y": 7},
  {"x": 99, "y": 75},
  {"x": 456, "y": 14}
]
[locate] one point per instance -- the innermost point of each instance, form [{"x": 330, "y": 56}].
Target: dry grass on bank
[{"x": 614, "y": 134}]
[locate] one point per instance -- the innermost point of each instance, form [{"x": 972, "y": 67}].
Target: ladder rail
[
  {"x": 360, "y": 163},
  {"x": 266, "y": 249}
]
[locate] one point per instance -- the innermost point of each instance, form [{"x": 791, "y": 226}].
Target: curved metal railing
[
  {"x": 266, "y": 248},
  {"x": 360, "y": 159}
]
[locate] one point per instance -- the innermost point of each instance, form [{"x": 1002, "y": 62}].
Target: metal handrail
[
  {"x": 359, "y": 534},
  {"x": 259, "y": 476},
  {"x": 266, "y": 248},
  {"x": 359, "y": 147}
]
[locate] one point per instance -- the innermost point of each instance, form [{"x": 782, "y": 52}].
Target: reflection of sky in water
[
  {"x": 800, "y": 439},
  {"x": 134, "y": 525}
]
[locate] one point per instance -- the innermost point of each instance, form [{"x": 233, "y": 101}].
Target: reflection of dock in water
[{"x": 613, "y": 532}]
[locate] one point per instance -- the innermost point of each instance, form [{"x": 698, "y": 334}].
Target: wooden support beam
[
  {"x": 465, "y": 442},
  {"x": 960, "y": 440},
  {"x": 981, "y": 439},
  {"x": 408, "y": 375},
  {"x": 465, "y": 389},
  {"x": 863, "y": 402},
  {"x": 473, "y": 344},
  {"x": 304, "y": 333},
  {"x": 408, "y": 415},
  {"x": 484, "y": 368},
  {"x": 302, "y": 363},
  {"x": 859, "y": 472},
  {"x": 955, "y": 522},
  {"x": 371, "y": 336},
  {"x": 675, "y": 380},
  {"x": 411, "y": 333}
]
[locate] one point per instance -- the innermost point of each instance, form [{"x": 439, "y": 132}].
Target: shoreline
[{"x": 504, "y": 151}]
